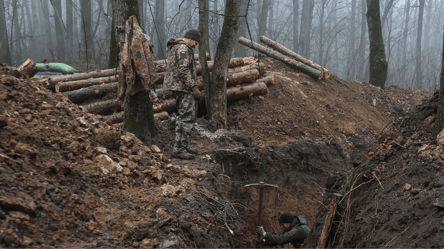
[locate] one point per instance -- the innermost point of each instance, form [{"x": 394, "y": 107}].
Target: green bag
[{"x": 55, "y": 67}]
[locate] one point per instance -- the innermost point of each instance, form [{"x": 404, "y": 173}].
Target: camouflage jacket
[
  {"x": 136, "y": 62},
  {"x": 180, "y": 74},
  {"x": 295, "y": 234}
]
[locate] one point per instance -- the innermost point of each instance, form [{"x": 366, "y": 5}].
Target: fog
[{"x": 332, "y": 33}]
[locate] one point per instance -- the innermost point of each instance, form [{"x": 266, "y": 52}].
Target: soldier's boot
[{"x": 185, "y": 142}]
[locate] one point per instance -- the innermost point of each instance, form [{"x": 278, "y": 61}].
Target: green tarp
[{"x": 55, "y": 67}]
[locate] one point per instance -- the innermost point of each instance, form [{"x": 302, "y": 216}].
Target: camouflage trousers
[{"x": 186, "y": 106}]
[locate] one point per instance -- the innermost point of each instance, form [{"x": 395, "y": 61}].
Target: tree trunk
[
  {"x": 361, "y": 54},
  {"x": 271, "y": 20},
  {"x": 60, "y": 34},
  {"x": 204, "y": 46},
  {"x": 218, "y": 97},
  {"x": 85, "y": 9},
  {"x": 81, "y": 95},
  {"x": 104, "y": 106},
  {"x": 439, "y": 124},
  {"x": 278, "y": 56},
  {"x": 74, "y": 85},
  {"x": 139, "y": 116},
  {"x": 295, "y": 25},
  {"x": 47, "y": 23},
  {"x": 404, "y": 39},
  {"x": 427, "y": 32},
  {"x": 321, "y": 30},
  {"x": 351, "y": 68},
  {"x": 306, "y": 20},
  {"x": 122, "y": 10},
  {"x": 418, "y": 68},
  {"x": 264, "y": 17},
  {"x": 160, "y": 23},
  {"x": 17, "y": 34},
  {"x": 5, "y": 54},
  {"x": 69, "y": 29},
  {"x": 378, "y": 63},
  {"x": 240, "y": 50}
]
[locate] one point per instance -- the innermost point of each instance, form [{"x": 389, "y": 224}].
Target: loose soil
[{"x": 61, "y": 185}]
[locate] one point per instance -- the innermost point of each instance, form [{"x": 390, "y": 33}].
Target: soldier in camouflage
[
  {"x": 295, "y": 231},
  {"x": 181, "y": 78}
]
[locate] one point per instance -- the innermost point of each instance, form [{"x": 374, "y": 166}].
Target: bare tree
[
  {"x": 5, "y": 54},
  {"x": 204, "y": 46},
  {"x": 418, "y": 68},
  {"x": 218, "y": 98},
  {"x": 295, "y": 25},
  {"x": 239, "y": 49},
  {"x": 378, "y": 63},
  {"x": 439, "y": 125},
  {"x": 306, "y": 21},
  {"x": 85, "y": 9},
  {"x": 264, "y": 17},
  {"x": 69, "y": 27},
  {"x": 160, "y": 24},
  {"x": 60, "y": 34}
]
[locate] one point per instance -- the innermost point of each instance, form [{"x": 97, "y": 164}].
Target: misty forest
[{"x": 332, "y": 33}]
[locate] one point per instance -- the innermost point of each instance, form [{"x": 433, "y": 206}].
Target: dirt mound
[
  {"x": 68, "y": 179},
  {"x": 298, "y": 106},
  {"x": 393, "y": 198}
]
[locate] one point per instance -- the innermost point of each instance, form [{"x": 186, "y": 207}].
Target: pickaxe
[{"x": 261, "y": 186}]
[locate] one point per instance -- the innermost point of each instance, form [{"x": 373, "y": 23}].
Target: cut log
[
  {"x": 103, "y": 106},
  {"x": 268, "y": 80},
  {"x": 167, "y": 105},
  {"x": 260, "y": 66},
  {"x": 52, "y": 81},
  {"x": 242, "y": 77},
  {"x": 28, "y": 68},
  {"x": 258, "y": 88},
  {"x": 234, "y": 62},
  {"x": 80, "y": 95},
  {"x": 118, "y": 117},
  {"x": 285, "y": 51},
  {"x": 328, "y": 222},
  {"x": 278, "y": 56},
  {"x": 232, "y": 93},
  {"x": 74, "y": 85}
]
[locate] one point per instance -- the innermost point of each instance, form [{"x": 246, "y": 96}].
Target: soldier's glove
[
  {"x": 260, "y": 230},
  {"x": 196, "y": 93},
  {"x": 259, "y": 241}
]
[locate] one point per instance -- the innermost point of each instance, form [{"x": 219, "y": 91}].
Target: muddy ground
[{"x": 69, "y": 179}]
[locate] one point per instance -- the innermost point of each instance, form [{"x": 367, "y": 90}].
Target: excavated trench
[{"x": 301, "y": 169}]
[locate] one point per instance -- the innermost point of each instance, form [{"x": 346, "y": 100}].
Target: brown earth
[{"x": 58, "y": 188}]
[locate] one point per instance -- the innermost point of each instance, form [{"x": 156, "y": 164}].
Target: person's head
[
  {"x": 192, "y": 37},
  {"x": 286, "y": 219}
]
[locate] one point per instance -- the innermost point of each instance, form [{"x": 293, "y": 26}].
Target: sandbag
[{"x": 55, "y": 67}]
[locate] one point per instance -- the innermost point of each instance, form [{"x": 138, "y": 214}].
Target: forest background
[{"x": 332, "y": 33}]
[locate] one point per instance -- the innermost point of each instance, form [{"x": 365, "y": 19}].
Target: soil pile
[
  {"x": 393, "y": 198},
  {"x": 70, "y": 180},
  {"x": 298, "y": 106}
]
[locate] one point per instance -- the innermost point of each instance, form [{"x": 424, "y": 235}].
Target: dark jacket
[
  {"x": 295, "y": 234},
  {"x": 180, "y": 74}
]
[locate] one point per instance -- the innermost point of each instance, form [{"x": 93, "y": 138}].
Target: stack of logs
[{"x": 80, "y": 87}]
